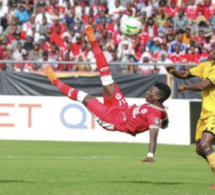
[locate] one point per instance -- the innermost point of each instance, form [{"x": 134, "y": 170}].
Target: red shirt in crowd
[
  {"x": 172, "y": 11},
  {"x": 192, "y": 11},
  {"x": 208, "y": 11},
  {"x": 108, "y": 27},
  {"x": 177, "y": 57},
  {"x": 143, "y": 38},
  {"x": 192, "y": 58}
]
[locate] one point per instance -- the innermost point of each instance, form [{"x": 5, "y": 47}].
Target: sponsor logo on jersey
[
  {"x": 118, "y": 96},
  {"x": 70, "y": 92},
  {"x": 104, "y": 69},
  {"x": 143, "y": 111},
  {"x": 157, "y": 122}
]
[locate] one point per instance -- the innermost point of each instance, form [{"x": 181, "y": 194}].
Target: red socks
[
  {"x": 67, "y": 90},
  {"x": 101, "y": 61}
]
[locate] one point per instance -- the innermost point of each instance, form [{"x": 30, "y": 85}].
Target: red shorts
[{"x": 108, "y": 113}]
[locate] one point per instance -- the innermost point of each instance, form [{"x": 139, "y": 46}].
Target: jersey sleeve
[
  {"x": 197, "y": 71},
  {"x": 211, "y": 75},
  {"x": 154, "y": 121}
]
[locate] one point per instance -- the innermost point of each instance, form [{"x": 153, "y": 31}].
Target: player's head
[{"x": 159, "y": 92}]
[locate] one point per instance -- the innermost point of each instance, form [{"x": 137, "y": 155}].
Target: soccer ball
[{"x": 131, "y": 27}]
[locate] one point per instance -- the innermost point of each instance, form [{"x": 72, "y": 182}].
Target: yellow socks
[{"x": 211, "y": 161}]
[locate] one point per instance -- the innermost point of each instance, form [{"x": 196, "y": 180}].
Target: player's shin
[
  {"x": 211, "y": 159},
  {"x": 70, "y": 92}
]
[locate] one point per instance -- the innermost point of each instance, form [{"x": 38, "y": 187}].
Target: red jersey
[
  {"x": 192, "y": 11},
  {"x": 172, "y": 11},
  {"x": 116, "y": 115},
  {"x": 144, "y": 38},
  {"x": 138, "y": 119},
  {"x": 177, "y": 58},
  {"x": 208, "y": 11},
  {"x": 193, "y": 58}
]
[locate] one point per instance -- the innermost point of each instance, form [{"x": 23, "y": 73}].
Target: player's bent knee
[{"x": 205, "y": 145}]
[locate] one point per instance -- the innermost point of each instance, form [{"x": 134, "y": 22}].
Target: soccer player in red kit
[{"x": 114, "y": 114}]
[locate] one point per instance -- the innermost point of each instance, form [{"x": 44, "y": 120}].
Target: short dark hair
[{"x": 164, "y": 89}]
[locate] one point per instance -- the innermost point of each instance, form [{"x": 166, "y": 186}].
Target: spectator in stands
[
  {"x": 28, "y": 45},
  {"x": 17, "y": 53},
  {"x": 36, "y": 53},
  {"x": 155, "y": 48},
  {"x": 208, "y": 9},
  {"x": 97, "y": 7},
  {"x": 114, "y": 10},
  {"x": 143, "y": 18},
  {"x": 101, "y": 15},
  {"x": 109, "y": 48},
  {"x": 207, "y": 45},
  {"x": 180, "y": 22},
  {"x": 22, "y": 14},
  {"x": 3, "y": 15},
  {"x": 77, "y": 25},
  {"x": 163, "y": 60},
  {"x": 192, "y": 10},
  {"x": 45, "y": 59},
  {"x": 147, "y": 69},
  {"x": 56, "y": 36},
  {"x": 17, "y": 40},
  {"x": 82, "y": 67},
  {"x": 161, "y": 18},
  {"x": 177, "y": 57},
  {"x": 200, "y": 39},
  {"x": 162, "y": 5},
  {"x": 148, "y": 8},
  {"x": 187, "y": 37},
  {"x": 129, "y": 10},
  {"x": 152, "y": 30},
  {"x": 105, "y": 25},
  {"x": 125, "y": 51},
  {"x": 27, "y": 26},
  {"x": 43, "y": 28},
  {"x": 178, "y": 41},
  {"x": 131, "y": 68},
  {"x": 76, "y": 46},
  {"x": 23, "y": 67},
  {"x": 41, "y": 14},
  {"x": 173, "y": 9},
  {"x": 193, "y": 56}
]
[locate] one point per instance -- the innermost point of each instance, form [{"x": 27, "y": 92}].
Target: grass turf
[{"x": 65, "y": 168}]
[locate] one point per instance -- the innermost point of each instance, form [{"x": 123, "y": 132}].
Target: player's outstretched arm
[
  {"x": 201, "y": 86},
  {"x": 153, "y": 133},
  {"x": 182, "y": 74}
]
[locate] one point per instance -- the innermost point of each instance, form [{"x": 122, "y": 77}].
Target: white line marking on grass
[
  {"x": 93, "y": 157},
  {"x": 60, "y": 157}
]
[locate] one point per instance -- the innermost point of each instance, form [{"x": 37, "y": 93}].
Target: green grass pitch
[{"x": 67, "y": 168}]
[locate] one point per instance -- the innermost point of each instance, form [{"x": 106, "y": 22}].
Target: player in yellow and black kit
[{"x": 205, "y": 132}]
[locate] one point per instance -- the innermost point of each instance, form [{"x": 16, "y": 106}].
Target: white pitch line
[{"x": 60, "y": 157}]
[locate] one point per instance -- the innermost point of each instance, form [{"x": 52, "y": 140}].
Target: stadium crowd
[{"x": 53, "y": 31}]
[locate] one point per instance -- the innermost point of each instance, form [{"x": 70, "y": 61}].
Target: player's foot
[
  {"x": 90, "y": 33},
  {"x": 213, "y": 186},
  {"x": 50, "y": 73}
]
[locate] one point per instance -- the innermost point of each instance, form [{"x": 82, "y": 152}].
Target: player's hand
[
  {"x": 181, "y": 88},
  {"x": 148, "y": 159},
  {"x": 170, "y": 69}
]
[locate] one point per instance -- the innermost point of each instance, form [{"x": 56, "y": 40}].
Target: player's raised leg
[
  {"x": 101, "y": 62},
  {"x": 92, "y": 104},
  {"x": 70, "y": 92}
]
